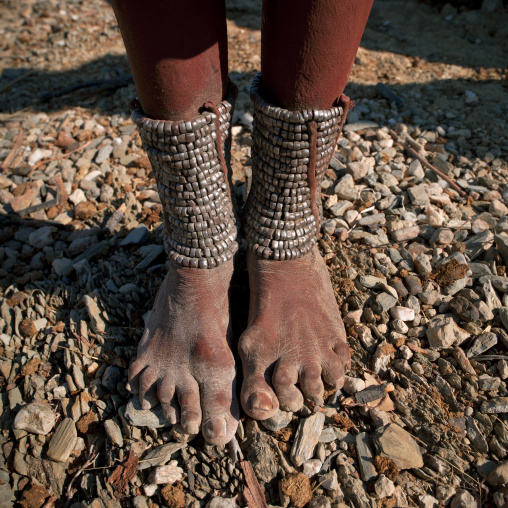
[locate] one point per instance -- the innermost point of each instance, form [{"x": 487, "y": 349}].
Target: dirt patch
[
  {"x": 438, "y": 399},
  {"x": 386, "y": 503},
  {"x": 343, "y": 422},
  {"x": 297, "y": 488},
  {"x": 345, "y": 286},
  {"x": 27, "y": 328},
  {"x": 34, "y": 497},
  {"x": 16, "y": 299},
  {"x": 31, "y": 367},
  {"x": 87, "y": 423},
  {"x": 386, "y": 466},
  {"x": 400, "y": 342},
  {"x": 284, "y": 434},
  {"x": 173, "y": 496},
  {"x": 387, "y": 349},
  {"x": 283, "y": 437},
  {"x": 123, "y": 474},
  {"x": 85, "y": 210},
  {"x": 450, "y": 272},
  {"x": 328, "y": 393}
]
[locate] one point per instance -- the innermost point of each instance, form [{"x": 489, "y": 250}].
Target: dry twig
[
  {"x": 91, "y": 458},
  {"x": 425, "y": 162}
]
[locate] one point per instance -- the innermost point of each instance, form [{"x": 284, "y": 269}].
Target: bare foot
[
  {"x": 184, "y": 359},
  {"x": 295, "y": 335}
]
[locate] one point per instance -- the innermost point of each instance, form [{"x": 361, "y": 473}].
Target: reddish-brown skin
[
  {"x": 295, "y": 333},
  {"x": 178, "y": 53},
  {"x": 308, "y": 48}
]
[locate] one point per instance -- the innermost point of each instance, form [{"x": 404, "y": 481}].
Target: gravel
[{"x": 418, "y": 264}]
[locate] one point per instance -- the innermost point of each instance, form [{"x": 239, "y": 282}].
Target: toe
[
  {"x": 258, "y": 399},
  {"x": 333, "y": 371},
  {"x": 148, "y": 389},
  {"x": 284, "y": 379},
  {"x": 190, "y": 410},
  {"x": 171, "y": 411},
  {"x": 135, "y": 371},
  {"x": 220, "y": 411},
  {"x": 166, "y": 395},
  {"x": 311, "y": 383},
  {"x": 344, "y": 353}
]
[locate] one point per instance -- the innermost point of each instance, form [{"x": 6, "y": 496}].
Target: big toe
[
  {"x": 215, "y": 431},
  {"x": 258, "y": 399}
]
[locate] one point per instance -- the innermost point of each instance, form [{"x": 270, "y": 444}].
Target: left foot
[{"x": 295, "y": 335}]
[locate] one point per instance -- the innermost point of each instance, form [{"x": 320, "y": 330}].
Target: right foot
[{"x": 184, "y": 358}]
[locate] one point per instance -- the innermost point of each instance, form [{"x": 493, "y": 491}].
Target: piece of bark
[
  {"x": 371, "y": 394},
  {"x": 124, "y": 473},
  {"x": 463, "y": 361},
  {"x": 252, "y": 491}
]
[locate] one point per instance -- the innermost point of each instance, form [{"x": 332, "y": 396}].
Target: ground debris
[
  {"x": 450, "y": 272},
  {"x": 123, "y": 474},
  {"x": 174, "y": 497},
  {"x": 414, "y": 235},
  {"x": 297, "y": 488}
]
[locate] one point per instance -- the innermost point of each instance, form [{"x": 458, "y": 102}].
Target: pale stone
[
  {"x": 36, "y": 418},
  {"x": 164, "y": 475},
  {"x": 395, "y": 443},
  {"x": 384, "y": 487},
  {"x": 402, "y": 313},
  {"x": 312, "y": 467},
  {"x": 353, "y": 385},
  {"x": 443, "y": 332},
  {"x": 78, "y": 196},
  {"x": 353, "y": 317},
  {"x": 63, "y": 441}
]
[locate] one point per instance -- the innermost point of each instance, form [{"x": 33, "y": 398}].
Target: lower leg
[
  {"x": 295, "y": 333},
  {"x": 308, "y": 49},
  {"x": 178, "y": 58},
  {"x": 177, "y": 52}
]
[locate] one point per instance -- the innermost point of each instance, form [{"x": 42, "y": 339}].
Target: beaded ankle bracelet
[
  {"x": 191, "y": 164},
  {"x": 290, "y": 153}
]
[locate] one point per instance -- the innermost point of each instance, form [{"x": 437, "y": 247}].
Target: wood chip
[
  {"x": 123, "y": 474},
  {"x": 252, "y": 491}
]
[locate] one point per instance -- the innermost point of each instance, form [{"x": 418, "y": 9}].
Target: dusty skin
[
  {"x": 184, "y": 357},
  {"x": 295, "y": 335}
]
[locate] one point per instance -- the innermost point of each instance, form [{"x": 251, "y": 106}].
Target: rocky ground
[{"x": 415, "y": 237}]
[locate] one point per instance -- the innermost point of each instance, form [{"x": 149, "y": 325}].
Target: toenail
[
  {"x": 260, "y": 401},
  {"x": 192, "y": 428},
  {"x": 146, "y": 405},
  {"x": 214, "y": 429}
]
